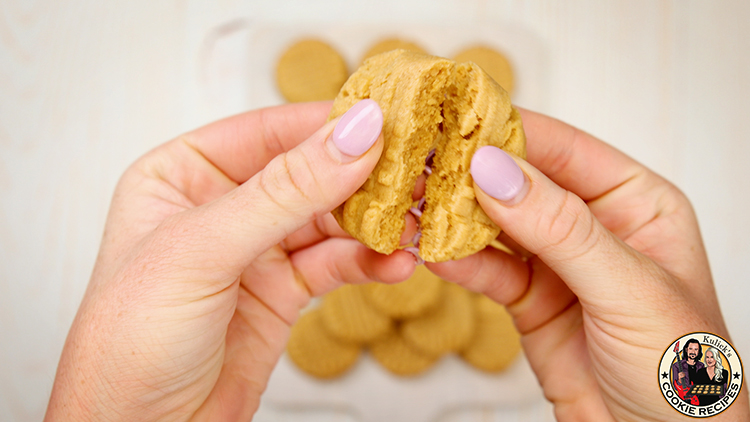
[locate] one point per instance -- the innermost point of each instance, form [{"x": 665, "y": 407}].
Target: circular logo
[{"x": 700, "y": 375}]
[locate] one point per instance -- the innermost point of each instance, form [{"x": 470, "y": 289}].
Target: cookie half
[
  {"x": 409, "y": 88},
  {"x": 478, "y": 113}
]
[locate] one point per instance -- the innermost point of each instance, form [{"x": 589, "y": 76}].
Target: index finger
[
  {"x": 573, "y": 159},
  {"x": 242, "y": 145}
]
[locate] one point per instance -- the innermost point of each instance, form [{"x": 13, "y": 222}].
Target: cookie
[
  {"x": 389, "y": 44},
  {"x": 411, "y": 298},
  {"x": 310, "y": 70},
  {"x": 447, "y": 328},
  {"x": 496, "y": 342},
  {"x": 409, "y": 87},
  {"x": 348, "y": 316},
  {"x": 428, "y": 103},
  {"x": 493, "y": 62},
  {"x": 397, "y": 356},
  {"x": 477, "y": 113},
  {"x": 316, "y": 352}
]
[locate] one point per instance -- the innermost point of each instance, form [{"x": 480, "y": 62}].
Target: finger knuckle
[
  {"x": 672, "y": 198},
  {"x": 290, "y": 182},
  {"x": 571, "y": 227}
]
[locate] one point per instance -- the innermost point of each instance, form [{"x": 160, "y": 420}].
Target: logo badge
[{"x": 700, "y": 375}]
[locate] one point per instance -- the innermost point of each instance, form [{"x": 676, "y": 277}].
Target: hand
[
  {"x": 213, "y": 244},
  {"x": 610, "y": 269}
]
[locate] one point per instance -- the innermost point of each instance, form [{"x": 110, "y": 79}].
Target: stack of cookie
[
  {"x": 406, "y": 327},
  {"x": 312, "y": 70}
]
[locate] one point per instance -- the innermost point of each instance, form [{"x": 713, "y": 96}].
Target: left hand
[{"x": 213, "y": 244}]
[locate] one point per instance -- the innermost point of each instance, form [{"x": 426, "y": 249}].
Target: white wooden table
[{"x": 87, "y": 87}]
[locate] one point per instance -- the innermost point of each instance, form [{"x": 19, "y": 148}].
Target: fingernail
[
  {"x": 358, "y": 128},
  {"x": 498, "y": 174}
]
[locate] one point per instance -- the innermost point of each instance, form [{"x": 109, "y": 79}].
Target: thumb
[
  {"x": 291, "y": 191},
  {"x": 556, "y": 225}
]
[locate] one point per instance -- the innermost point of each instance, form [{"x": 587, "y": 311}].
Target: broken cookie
[{"x": 428, "y": 103}]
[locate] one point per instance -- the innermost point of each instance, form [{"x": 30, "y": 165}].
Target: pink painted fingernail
[
  {"x": 358, "y": 128},
  {"x": 497, "y": 173}
]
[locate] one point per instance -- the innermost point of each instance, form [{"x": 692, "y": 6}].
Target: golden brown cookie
[
  {"x": 418, "y": 294},
  {"x": 348, "y": 316},
  {"x": 414, "y": 92},
  {"x": 477, "y": 113},
  {"x": 310, "y": 70},
  {"x": 397, "y": 356},
  {"x": 496, "y": 342},
  {"x": 409, "y": 88},
  {"x": 389, "y": 44},
  {"x": 447, "y": 328},
  {"x": 316, "y": 352},
  {"x": 493, "y": 62}
]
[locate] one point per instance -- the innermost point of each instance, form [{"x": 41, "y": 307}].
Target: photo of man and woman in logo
[{"x": 700, "y": 374}]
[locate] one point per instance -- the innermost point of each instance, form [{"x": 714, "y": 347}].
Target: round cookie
[
  {"x": 310, "y": 70},
  {"x": 397, "y": 356},
  {"x": 493, "y": 62},
  {"x": 348, "y": 316},
  {"x": 427, "y": 103},
  {"x": 447, "y": 328},
  {"x": 316, "y": 352},
  {"x": 418, "y": 294},
  {"x": 389, "y": 44},
  {"x": 496, "y": 342}
]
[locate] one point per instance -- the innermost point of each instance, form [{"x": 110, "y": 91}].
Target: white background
[{"x": 88, "y": 86}]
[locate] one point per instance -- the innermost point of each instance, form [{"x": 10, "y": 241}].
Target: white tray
[
  {"x": 238, "y": 61},
  {"x": 237, "y": 73}
]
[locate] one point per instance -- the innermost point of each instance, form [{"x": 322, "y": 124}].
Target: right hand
[{"x": 610, "y": 269}]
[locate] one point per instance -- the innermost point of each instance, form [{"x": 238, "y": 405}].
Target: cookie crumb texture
[{"x": 428, "y": 102}]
